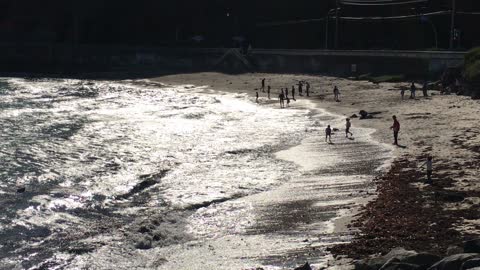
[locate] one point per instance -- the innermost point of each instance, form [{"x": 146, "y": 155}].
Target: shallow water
[{"x": 140, "y": 174}]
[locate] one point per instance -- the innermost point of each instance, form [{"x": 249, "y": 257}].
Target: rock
[
  {"x": 453, "y": 262},
  {"x": 336, "y": 129},
  {"x": 452, "y": 250},
  {"x": 306, "y": 266},
  {"x": 354, "y": 116},
  {"x": 472, "y": 246},
  {"x": 21, "y": 190},
  {"x": 396, "y": 255},
  {"x": 401, "y": 266},
  {"x": 424, "y": 260},
  {"x": 471, "y": 264},
  {"x": 451, "y": 196}
]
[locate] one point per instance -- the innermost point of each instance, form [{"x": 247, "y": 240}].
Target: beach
[
  {"x": 188, "y": 170},
  {"x": 443, "y": 126}
]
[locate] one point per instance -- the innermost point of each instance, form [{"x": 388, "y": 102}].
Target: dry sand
[{"x": 446, "y": 127}]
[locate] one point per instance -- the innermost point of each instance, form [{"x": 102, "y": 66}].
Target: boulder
[
  {"x": 401, "y": 266},
  {"x": 472, "y": 246},
  {"x": 453, "y": 262},
  {"x": 473, "y": 263},
  {"x": 424, "y": 260},
  {"x": 306, "y": 266},
  {"x": 452, "y": 250},
  {"x": 396, "y": 255}
]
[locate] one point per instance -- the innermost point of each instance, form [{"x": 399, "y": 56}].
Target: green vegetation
[{"x": 472, "y": 65}]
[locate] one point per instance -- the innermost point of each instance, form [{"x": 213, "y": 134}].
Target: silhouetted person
[
  {"x": 308, "y": 89},
  {"x": 300, "y": 88},
  {"x": 281, "y": 98},
  {"x": 286, "y": 92},
  {"x": 402, "y": 93},
  {"x": 396, "y": 128},
  {"x": 256, "y": 94},
  {"x": 413, "y": 88},
  {"x": 288, "y": 102},
  {"x": 263, "y": 85},
  {"x": 429, "y": 165},
  {"x": 336, "y": 93},
  {"x": 328, "y": 134},
  {"x": 425, "y": 89},
  {"x": 347, "y": 128},
  {"x": 268, "y": 91},
  {"x": 293, "y": 93}
]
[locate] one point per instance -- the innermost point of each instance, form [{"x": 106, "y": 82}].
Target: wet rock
[
  {"x": 423, "y": 260},
  {"x": 306, "y": 266},
  {"x": 453, "y": 262},
  {"x": 354, "y": 116},
  {"x": 472, "y": 246},
  {"x": 452, "y": 250},
  {"x": 396, "y": 255},
  {"x": 401, "y": 266},
  {"x": 473, "y": 263}
]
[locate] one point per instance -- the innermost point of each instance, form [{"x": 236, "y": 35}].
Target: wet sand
[{"x": 443, "y": 126}]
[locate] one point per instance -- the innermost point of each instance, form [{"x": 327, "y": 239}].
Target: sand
[{"x": 444, "y": 126}]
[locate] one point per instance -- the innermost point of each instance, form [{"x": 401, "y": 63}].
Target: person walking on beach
[
  {"x": 396, "y": 128},
  {"x": 308, "y": 89},
  {"x": 402, "y": 93},
  {"x": 263, "y": 85},
  {"x": 429, "y": 165},
  {"x": 288, "y": 102},
  {"x": 347, "y": 128},
  {"x": 424, "y": 89},
  {"x": 336, "y": 94},
  {"x": 293, "y": 93},
  {"x": 328, "y": 134},
  {"x": 413, "y": 88},
  {"x": 286, "y": 91},
  {"x": 256, "y": 95},
  {"x": 281, "y": 99},
  {"x": 300, "y": 88},
  {"x": 268, "y": 91}
]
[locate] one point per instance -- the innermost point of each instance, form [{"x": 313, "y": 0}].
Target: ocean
[{"x": 136, "y": 174}]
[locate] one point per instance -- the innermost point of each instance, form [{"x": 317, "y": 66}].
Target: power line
[{"x": 380, "y": 3}]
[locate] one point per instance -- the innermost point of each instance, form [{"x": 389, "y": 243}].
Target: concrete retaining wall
[{"x": 31, "y": 57}]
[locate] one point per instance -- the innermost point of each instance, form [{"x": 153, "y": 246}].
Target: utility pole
[
  {"x": 452, "y": 25},
  {"x": 336, "y": 25}
]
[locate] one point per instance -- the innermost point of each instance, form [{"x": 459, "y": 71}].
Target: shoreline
[{"x": 442, "y": 126}]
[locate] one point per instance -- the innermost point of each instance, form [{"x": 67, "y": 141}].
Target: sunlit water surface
[{"x": 136, "y": 174}]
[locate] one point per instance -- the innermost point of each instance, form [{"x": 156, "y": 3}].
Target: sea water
[{"x": 138, "y": 174}]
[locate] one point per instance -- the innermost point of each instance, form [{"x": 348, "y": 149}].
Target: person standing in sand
[
  {"x": 429, "y": 165},
  {"x": 425, "y": 89},
  {"x": 347, "y": 128},
  {"x": 268, "y": 91},
  {"x": 281, "y": 99},
  {"x": 263, "y": 85},
  {"x": 336, "y": 94},
  {"x": 300, "y": 88},
  {"x": 328, "y": 134},
  {"x": 396, "y": 128},
  {"x": 308, "y": 89},
  {"x": 402, "y": 93},
  {"x": 256, "y": 96},
  {"x": 293, "y": 93},
  {"x": 413, "y": 89}
]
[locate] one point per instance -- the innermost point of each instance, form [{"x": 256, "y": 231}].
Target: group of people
[{"x": 413, "y": 90}]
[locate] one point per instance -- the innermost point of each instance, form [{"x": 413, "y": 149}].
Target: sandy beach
[{"x": 444, "y": 126}]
